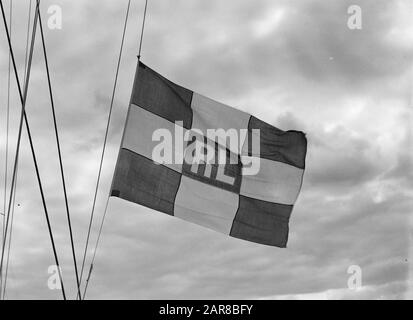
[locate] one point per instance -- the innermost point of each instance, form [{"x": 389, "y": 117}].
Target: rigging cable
[
  {"x": 9, "y": 244},
  {"x": 59, "y": 153},
  {"x": 23, "y": 116},
  {"x": 107, "y": 201},
  {"x": 142, "y": 30},
  {"x": 104, "y": 142},
  {"x": 6, "y": 166},
  {"x": 15, "y": 185},
  {"x": 27, "y": 40}
]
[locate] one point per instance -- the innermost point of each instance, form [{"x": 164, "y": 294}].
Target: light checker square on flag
[{"x": 248, "y": 189}]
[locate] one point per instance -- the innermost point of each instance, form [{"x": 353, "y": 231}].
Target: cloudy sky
[{"x": 294, "y": 64}]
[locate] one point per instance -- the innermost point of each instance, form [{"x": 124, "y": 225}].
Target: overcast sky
[{"x": 294, "y": 64}]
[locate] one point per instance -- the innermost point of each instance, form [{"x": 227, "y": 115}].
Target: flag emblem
[{"x": 207, "y": 163}]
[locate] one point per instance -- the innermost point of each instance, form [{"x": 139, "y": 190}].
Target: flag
[{"x": 207, "y": 163}]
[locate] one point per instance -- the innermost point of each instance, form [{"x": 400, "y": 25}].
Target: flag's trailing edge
[{"x": 251, "y": 207}]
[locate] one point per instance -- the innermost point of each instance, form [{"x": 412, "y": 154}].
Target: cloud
[
  {"x": 387, "y": 291},
  {"x": 343, "y": 158}
]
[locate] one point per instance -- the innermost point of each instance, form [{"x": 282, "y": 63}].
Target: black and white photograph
[{"x": 207, "y": 155}]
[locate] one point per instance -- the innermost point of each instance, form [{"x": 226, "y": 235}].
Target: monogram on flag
[{"x": 207, "y": 163}]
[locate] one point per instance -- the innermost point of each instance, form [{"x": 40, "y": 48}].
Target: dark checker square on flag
[
  {"x": 219, "y": 196},
  {"x": 140, "y": 180}
]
